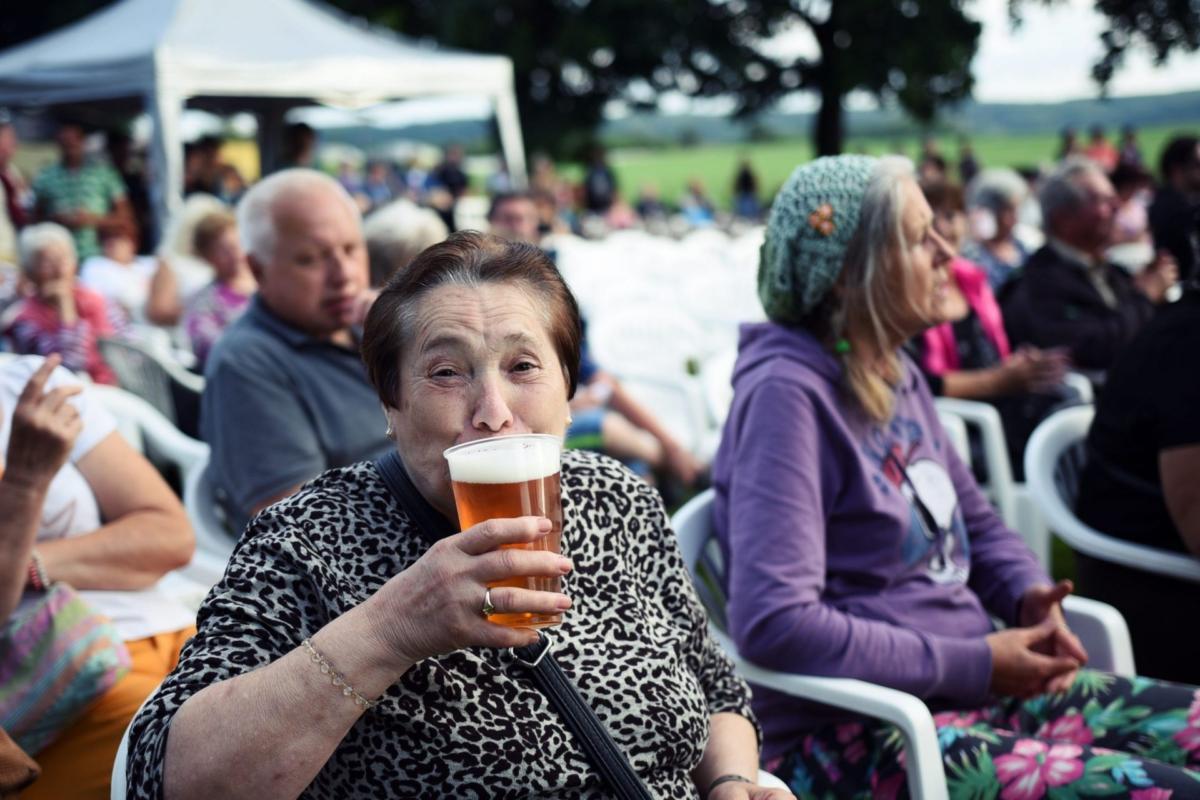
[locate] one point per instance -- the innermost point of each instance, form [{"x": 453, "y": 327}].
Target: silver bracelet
[{"x": 336, "y": 678}]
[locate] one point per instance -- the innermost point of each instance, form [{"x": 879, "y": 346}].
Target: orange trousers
[{"x": 78, "y": 764}]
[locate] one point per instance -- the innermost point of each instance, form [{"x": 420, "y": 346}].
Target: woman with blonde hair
[
  {"x": 216, "y": 306},
  {"x": 858, "y": 545}
]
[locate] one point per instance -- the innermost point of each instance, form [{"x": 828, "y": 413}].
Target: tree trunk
[{"x": 827, "y": 126}]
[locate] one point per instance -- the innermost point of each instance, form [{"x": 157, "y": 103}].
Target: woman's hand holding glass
[{"x": 436, "y": 605}]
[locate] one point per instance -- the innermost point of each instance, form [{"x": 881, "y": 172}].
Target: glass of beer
[{"x": 505, "y": 477}]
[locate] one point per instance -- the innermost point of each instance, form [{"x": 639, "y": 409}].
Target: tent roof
[{"x": 236, "y": 48}]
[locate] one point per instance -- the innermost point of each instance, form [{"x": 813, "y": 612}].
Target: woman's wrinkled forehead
[{"x": 458, "y": 311}]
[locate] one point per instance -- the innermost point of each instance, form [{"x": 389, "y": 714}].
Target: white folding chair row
[
  {"x": 648, "y": 340},
  {"x": 1099, "y": 626},
  {"x": 677, "y": 402}
]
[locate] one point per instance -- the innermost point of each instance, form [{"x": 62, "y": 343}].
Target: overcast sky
[{"x": 1048, "y": 59}]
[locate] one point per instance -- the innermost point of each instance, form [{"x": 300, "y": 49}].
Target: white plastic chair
[
  {"x": 647, "y": 339},
  {"x": 1011, "y": 499},
  {"x": 676, "y": 402},
  {"x": 149, "y": 432},
  {"x": 956, "y": 432},
  {"x": 1099, "y": 626},
  {"x": 716, "y": 375},
  {"x": 1054, "y": 460},
  {"x": 214, "y": 538}
]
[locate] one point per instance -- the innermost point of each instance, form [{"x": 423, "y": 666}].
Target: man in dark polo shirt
[{"x": 287, "y": 396}]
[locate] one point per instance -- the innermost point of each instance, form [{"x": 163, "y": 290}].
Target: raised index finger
[
  {"x": 37, "y": 381},
  {"x": 493, "y": 533}
]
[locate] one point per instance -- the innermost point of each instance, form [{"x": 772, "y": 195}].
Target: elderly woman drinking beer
[{"x": 348, "y": 652}]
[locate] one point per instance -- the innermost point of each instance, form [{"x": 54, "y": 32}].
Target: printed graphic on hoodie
[{"x": 937, "y": 536}]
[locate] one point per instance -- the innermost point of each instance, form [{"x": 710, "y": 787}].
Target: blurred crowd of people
[{"x": 1010, "y": 281}]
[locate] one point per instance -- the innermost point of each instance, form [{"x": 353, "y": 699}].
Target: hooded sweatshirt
[{"x": 854, "y": 549}]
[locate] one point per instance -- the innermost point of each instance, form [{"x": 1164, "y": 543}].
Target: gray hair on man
[
  {"x": 995, "y": 189},
  {"x": 256, "y": 210},
  {"x": 1061, "y": 192},
  {"x": 396, "y": 233},
  {"x": 36, "y": 238}
]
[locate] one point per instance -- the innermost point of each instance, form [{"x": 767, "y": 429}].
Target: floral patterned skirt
[{"x": 1105, "y": 737}]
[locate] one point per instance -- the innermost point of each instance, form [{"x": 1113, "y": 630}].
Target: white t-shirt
[
  {"x": 71, "y": 508},
  {"x": 127, "y": 285}
]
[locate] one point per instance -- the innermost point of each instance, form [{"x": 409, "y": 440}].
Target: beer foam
[{"x": 505, "y": 462}]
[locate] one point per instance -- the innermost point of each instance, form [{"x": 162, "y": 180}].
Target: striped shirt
[{"x": 94, "y": 187}]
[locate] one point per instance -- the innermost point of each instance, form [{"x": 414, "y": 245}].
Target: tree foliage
[
  {"x": 1162, "y": 27},
  {"x": 571, "y": 57},
  {"x": 916, "y": 53}
]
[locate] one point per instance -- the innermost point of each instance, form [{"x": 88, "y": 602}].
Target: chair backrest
[
  {"x": 956, "y": 432},
  {"x": 985, "y": 418},
  {"x": 151, "y": 433},
  {"x": 1054, "y": 461},
  {"x": 694, "y": 530},
  {"x": 172, "y": 390}
]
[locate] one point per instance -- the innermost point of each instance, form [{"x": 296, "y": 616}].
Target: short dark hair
[
  {"x": 1126, "y": 174},
  {"x": 500, "y": 198},
  {"x": 1179, "y": 152},
  {"x": 467, "y": 258},
  {"x": 944, "y": 196}
]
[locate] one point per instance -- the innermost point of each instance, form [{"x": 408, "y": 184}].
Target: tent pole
[
  {"x": 166, "y": 153},
  {"x": 508, "y": 122},
  {"x": 270, "y": 135}
]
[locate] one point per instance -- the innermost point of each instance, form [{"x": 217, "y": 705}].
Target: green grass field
[{"x": 671, "y": 168}]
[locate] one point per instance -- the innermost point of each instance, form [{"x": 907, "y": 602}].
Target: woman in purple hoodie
[{"x": 858, "y": 545}]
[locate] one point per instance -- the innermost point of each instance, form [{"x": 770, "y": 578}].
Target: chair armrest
[
  {"x": 1082, "y": 385},
  {"x": 926, "y": 776},
  {"x": 1103, "y": 632}
]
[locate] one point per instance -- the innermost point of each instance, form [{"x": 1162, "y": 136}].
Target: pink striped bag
[{"x": 56, "y": 658}]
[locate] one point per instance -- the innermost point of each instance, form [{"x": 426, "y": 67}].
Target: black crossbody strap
[
  {"x": 588, "y": 730},
  {"x": 547, "y": 675}
]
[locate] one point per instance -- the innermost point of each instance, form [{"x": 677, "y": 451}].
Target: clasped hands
[{"x": 1041, "y": 655}]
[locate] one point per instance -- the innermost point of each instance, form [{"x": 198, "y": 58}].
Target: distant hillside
[{"x": 971, "y": 117}]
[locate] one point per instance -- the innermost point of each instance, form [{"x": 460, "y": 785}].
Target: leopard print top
[{"x": 469, "y": 724}]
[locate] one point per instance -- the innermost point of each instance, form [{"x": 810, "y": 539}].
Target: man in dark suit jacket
[{"x": 1067, "y": 294}]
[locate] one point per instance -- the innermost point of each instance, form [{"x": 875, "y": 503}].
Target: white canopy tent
[{"x": 265, "y": 56}]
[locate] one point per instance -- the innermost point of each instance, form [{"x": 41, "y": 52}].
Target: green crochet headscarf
[{"x": 812, "y": 221}]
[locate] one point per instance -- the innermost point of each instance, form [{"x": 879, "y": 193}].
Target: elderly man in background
[
  {"x": 1068, "y": 295},
  {"x": 287, "y": 396},
  {"x": 396, "y": 233},
  {"x": 83, "y": 196}
]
